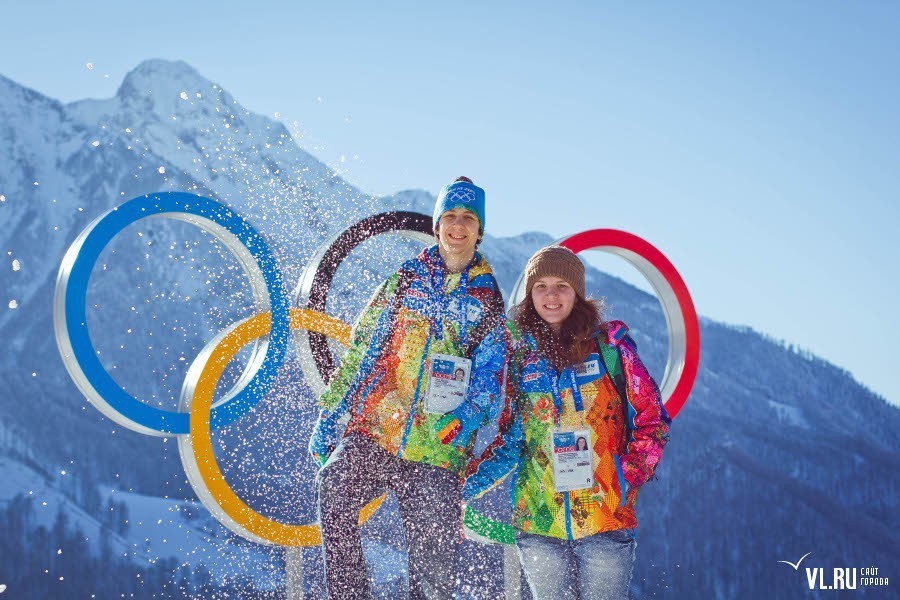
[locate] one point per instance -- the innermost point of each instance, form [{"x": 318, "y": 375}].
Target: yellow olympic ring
[{"x": 200, "y": 446}]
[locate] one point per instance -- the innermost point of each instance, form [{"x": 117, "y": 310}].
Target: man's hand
[
  {"x": 323, "y": 458},
  {"x": 458, "y": 426},
  {"x": 325, "y": 438}
]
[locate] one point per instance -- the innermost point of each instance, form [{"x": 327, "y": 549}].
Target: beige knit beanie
[{"x": 555, "y": 261}]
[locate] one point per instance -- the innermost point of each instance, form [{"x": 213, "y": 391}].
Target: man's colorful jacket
[
  {"x": 379, "y": 389},
  {"x": 626, "y": 441}
]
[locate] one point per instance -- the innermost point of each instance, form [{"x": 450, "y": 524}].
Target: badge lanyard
[
  {"x": 572, "y": 470},
  {"x": 557, "y": 395},
  {"x": 437, "y": 323}
]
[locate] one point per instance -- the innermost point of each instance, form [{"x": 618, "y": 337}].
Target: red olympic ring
[{"x": 684, "y": 332}]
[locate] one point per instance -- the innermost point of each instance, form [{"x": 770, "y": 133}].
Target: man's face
[{"x": 458, "y": 232}]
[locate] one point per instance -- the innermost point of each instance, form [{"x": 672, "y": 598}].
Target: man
[{"x": 403, "y": 433}]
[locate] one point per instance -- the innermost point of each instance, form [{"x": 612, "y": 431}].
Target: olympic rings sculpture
[{"x": 269, "y": 331}]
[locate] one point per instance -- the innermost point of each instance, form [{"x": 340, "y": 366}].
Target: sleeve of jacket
[
  {"x": 500, "y": 458},
  {"x": 648, "y": 422},
  {"x": 335, "y": 401},
  {"x": 489, "y": 361}
]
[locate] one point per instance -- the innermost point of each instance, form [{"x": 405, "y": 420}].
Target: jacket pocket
[{"x": 620, "y": 536}]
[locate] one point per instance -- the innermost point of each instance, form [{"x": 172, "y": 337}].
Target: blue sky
[{"x": 758, "y": 146}]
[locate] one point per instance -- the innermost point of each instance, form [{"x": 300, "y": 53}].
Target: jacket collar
[
  {"x": 615, "y": 332},
  {"x": 434, "y": 262}
]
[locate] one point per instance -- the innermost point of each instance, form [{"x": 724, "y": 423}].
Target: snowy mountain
[{"x": 776, "y": 454}]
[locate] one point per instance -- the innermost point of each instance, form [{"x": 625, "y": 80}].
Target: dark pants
[{"x": 430, "y": 500}]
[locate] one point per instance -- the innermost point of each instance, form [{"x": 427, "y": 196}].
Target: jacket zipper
[
  {"x": 621, "y": 475},
  {"x": 415, "y": 404}
]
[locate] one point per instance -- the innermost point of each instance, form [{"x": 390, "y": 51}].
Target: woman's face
[{"x": 553, "y": 298}]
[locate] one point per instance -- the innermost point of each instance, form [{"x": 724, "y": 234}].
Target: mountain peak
[
  {"x": 158, "y": 75},
  {"x": 158, "y": 86}
]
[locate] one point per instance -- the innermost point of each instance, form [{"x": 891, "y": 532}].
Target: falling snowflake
[
  {"x": 183, "y": 95},
  {"x": 90, "y": 66},
  {"x": 13, "y": 304},
  {"x": 95, "y": 143},
  {"x": 162, "y": 170},
  {"x": 16, "y": 265},
  {"x": 2, "y": 198}
]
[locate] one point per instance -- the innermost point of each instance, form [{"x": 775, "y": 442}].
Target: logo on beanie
[{"x": 463, "y": 196}]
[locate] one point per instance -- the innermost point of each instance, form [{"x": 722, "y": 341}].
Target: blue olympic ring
[{"x": 70, "y": 320}]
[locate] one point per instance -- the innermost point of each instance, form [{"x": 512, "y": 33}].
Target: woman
[{"x": 572, "y": 375}]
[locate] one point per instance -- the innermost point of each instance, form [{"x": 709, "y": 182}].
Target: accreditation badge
[
  {"x": 573, "y": 467},
  {"x": 448, "y": 380},
  {"x": 590, "y": 368}
]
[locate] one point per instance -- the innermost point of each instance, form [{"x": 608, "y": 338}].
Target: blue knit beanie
[{"x": 462, "y": 193}]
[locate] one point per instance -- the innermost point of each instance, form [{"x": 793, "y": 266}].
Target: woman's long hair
[{"x": 575, "y": 340}]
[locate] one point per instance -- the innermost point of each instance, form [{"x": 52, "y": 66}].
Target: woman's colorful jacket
[
  {"x": 379, "y": 389},
  {"x": 626, "y": 449}
]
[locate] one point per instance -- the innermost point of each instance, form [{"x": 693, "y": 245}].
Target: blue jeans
[{"x": 594, "y": 567}]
